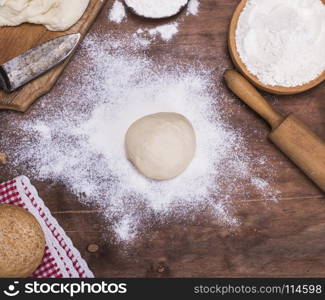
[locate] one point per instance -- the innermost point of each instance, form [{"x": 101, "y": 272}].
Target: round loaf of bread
[{"x": 22, "y": 242}]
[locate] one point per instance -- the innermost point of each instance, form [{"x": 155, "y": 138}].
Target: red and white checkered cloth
[{"x": 61, "y": 258}]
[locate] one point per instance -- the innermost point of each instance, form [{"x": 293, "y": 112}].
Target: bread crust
[{"x": 22, "y": 242}]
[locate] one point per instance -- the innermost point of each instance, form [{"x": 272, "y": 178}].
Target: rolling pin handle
[{"x": 248, "y": 94}]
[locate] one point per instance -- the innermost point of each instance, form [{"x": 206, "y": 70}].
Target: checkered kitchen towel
[{"x": 61, "y": 258}]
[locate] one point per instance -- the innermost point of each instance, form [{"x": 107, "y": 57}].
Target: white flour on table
[
  {"x": 117, "y": 12},
  {"x": 166, "y": 31},
  {"x": 78, "y": 140},
  {"x": 193, "y": 7}
]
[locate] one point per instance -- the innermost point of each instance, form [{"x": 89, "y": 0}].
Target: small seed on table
[
  {"x": 3, "y": 158},
  {"x": 92, "y": 248}
]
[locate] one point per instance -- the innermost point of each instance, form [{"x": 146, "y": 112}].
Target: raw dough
[
  {"x": 56, "y": 15},
  {"x": 161, "y": 146}
]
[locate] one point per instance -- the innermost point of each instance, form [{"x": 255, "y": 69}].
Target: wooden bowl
[{"x": 280, "y": 90}]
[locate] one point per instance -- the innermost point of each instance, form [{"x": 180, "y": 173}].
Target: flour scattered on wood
[
  {"x": 79, "y": 140},
  {"x": 117, "y": 12},
  {"x": 193, "y": 7},
  {"x": 165, "y": 31}
]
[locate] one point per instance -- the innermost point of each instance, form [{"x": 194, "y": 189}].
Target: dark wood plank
[{"x": 278, "y": 239}]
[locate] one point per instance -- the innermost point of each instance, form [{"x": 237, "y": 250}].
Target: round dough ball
[
  {"x": 22, "y": 242},
  {"x": 161, "y": 146},
  {"x": 56, "y": 15}
]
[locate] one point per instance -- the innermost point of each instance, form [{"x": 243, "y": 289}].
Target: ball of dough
[
  {"x": 22, "y": 242},
  {"x": 161, "y": 146},
  {"x": 56, "y": 15}
]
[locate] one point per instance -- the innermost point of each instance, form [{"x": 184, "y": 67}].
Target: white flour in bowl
[
  {"x": 166, "y": 31},
  {"x": 283, "y": 42},
  {"x": 156, "y": 9},
  {"x": 77, "y": 140}
]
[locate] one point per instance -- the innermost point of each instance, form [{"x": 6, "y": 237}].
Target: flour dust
[{"x": 78, "y": 140}]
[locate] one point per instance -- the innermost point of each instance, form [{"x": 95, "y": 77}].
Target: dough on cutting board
[
  {"x": 161, "y": 146},
  {"x": 56, "y": 15}
]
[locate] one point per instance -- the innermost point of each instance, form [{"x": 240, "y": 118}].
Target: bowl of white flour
[{"x": 279, "y": 45}]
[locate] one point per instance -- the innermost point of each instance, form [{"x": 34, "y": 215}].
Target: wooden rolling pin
[{"x": 294, "y": 138}]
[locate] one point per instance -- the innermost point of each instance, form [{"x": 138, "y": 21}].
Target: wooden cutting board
[{"x": 16, "y": 40}]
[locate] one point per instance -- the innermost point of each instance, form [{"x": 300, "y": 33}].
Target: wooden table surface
[{"x": 284, "y": 238}]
